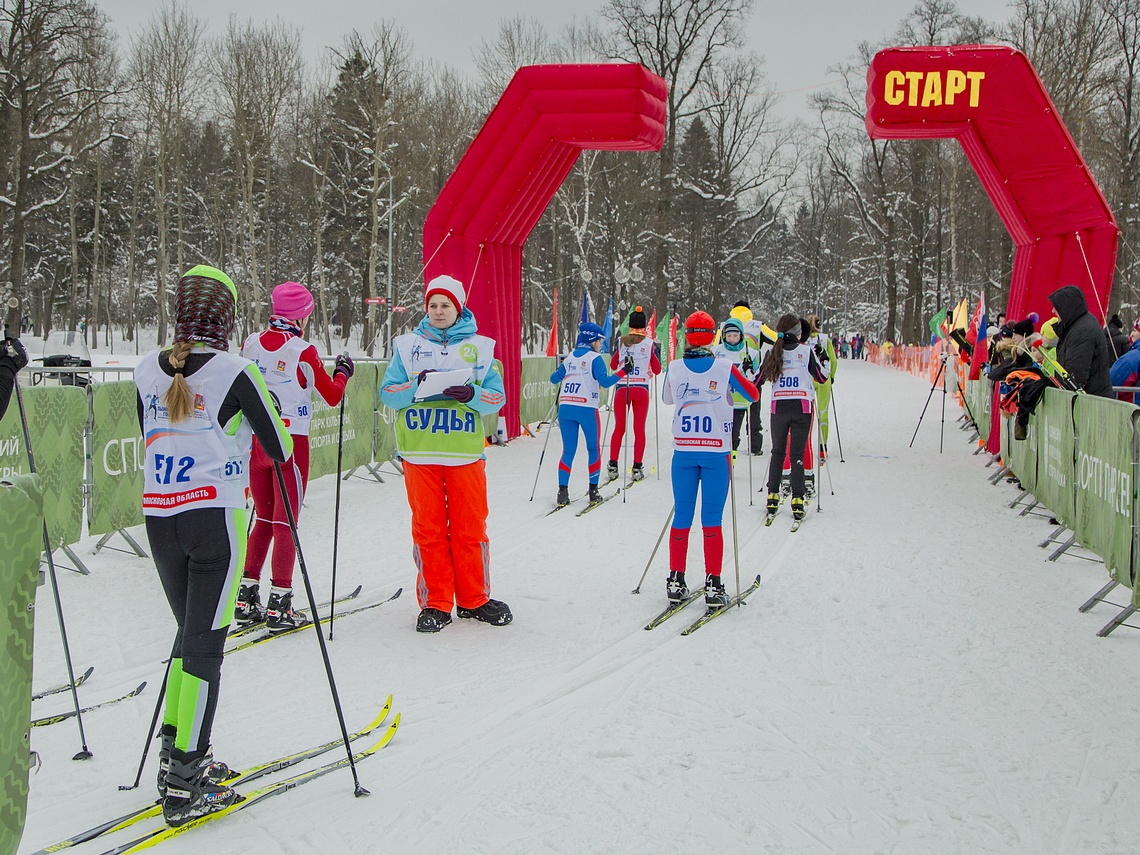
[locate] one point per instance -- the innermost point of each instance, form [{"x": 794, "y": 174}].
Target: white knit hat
[{"x": 448, "y": 286}]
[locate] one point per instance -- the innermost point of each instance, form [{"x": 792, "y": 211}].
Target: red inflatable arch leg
[{"x": 478, "y": 226}]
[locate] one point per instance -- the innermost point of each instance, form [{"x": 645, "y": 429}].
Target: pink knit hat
[
  {"x": 292, "y": 300},
  {"x": 448, "y": 286}
]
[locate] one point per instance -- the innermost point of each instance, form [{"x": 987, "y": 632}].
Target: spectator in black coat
[
  {"x": 1081, "y": 347},
  {"x": 13, "y": 357},
  {"x": 1116, "y": 338}
]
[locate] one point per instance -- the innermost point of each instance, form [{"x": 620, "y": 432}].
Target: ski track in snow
[{"x": 912, "y": 676}]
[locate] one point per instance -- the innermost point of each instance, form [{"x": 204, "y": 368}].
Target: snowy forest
[{"x": 128, "y": 157}]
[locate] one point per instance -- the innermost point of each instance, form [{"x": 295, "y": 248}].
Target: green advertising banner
[
  {"x": 324, "y": 429},
  {"x": 1105, "y": 491},
  {"x": 538, "y": 393},
  {"x": 57, "y": 419},
  {"x": 117, "y": 458},
  {"x": 21, "y": 541},
  {"x": 386, "y": 423},
  {"x": 1053, "y": 420},
  {"x": 1020, "y": 455},
  {"x": 983, "y": 403}
]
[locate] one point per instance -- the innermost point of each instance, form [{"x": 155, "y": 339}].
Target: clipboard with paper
[{"x": 434, "y": 384}]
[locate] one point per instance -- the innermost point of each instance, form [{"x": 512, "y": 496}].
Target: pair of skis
[
  {"x": 711, "y": 614},
  {"x": 244, "y": 776},
  {"x": 56, "y": 719},
  {"x": 253, "y": 626},
  {"x": 66, "y": 687},
  {"x": 269, "y": 636}
]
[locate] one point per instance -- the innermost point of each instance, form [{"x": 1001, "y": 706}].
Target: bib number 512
[{"x": 164, "y": 468}]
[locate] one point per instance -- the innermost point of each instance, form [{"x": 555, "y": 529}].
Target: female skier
[
  {"x": 735, "y": 347},
  {"x": 634, "y": 392},
  {"x": 292, "y": 370},
  {"x": 583, "y": 375},
  {"x": 700, "y": 386},
  {"x": 825, "y": 354},
  {"x": 440, "y": 439},
  {"x": 199, "y": 407},
  {"x": 791, "y": 368}
]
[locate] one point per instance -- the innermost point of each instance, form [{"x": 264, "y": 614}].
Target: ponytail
[
  {"x": 178, "y": 399},
  {"x": 786, "y": 339}
]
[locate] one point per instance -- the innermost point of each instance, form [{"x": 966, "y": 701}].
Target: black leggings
[
  {"x": 199, "y": 556},
  {"x": 789, "y": 417}
]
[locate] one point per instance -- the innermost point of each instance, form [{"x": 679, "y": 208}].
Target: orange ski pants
[{"x": 449, "y": 534}]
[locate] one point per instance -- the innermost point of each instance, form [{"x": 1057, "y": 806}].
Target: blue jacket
[
  {"x": 598, "y": 369},
  {"x": 398, "y": 391},
  {"x": 1126, "y": 370}
]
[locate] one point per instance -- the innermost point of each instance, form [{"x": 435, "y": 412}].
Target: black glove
[
  {"x": 420, "y": 377},
  {"x": 463, "y": 394},
  {"x": 345, "y": 366},
  {"x": 747, "y": 364},
  {"x": 627, "y": 366},
  {"x": 15, "y": 353}
]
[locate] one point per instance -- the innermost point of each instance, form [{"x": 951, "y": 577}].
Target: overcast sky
[{"x": 799, "y": 39}]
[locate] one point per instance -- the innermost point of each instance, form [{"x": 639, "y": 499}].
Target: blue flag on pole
[
  {"x": 585, "y": 308},
  {"x": 608, "y": 327}
]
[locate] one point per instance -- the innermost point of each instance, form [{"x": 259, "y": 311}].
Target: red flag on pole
[
  {"x": 552, "y": 345},
  {"x": 652, "y": 323}
]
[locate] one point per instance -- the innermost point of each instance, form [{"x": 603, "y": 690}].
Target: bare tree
[{"x": 256, "y": 70}]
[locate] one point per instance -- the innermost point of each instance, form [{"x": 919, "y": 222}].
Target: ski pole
[
  {"x": 84, "y": 753},
  {"x": 735, "y": 540},
  {"x": 818, "y": 481},
  {"x": 657, "y": 426},
  {"x": 629, "y": 428},
  {"x": 749, "y": 459},
  {"x": 656, "y": 546},
  {"x": 336, "y": 511},
  {"x": 359, "y": 791},
  {"x": 549, "y": 431},
  {"x": 150, "y": 734},
  {"x": 835, "y": 421}
]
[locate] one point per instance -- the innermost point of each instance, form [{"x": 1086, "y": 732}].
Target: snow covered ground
[{"x": 912, "y": 677}]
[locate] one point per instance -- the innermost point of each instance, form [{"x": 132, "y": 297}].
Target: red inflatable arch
[
  {"x": 991, "y": 100},
  {"x": 477, "y": 227}
]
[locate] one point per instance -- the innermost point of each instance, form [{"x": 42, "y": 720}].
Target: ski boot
[
  {"x": 248, "y": 608},
  {"x": 190, "y": 793},
  {"x": 612, "y": 471},
  {"x": 279, "y": 612},
  {"x": 715, "y": 597},
  {"x": 772, "y": 507},
  {"x": 563, "y": 496},
  {"x": 493, "y": 612},
  {"x": 785, "y": 487},
  {"x": 432, "y": 620},
  {"x": 798, "y": 510},
  {"x": 216, "y": 771},
  {"x": 675, "y": 588},
  {"x": 594, "y": 497},
  {"x": 809, "y": 487},
  {"x": 638, "y": 472}
]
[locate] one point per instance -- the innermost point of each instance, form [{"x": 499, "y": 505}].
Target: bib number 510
[{"x": 694, "y": 424}]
